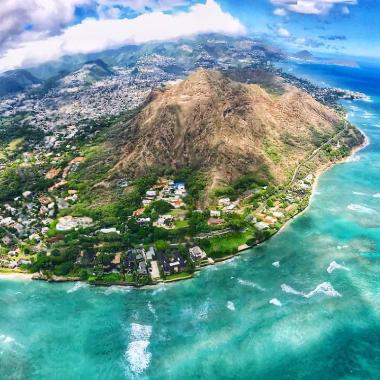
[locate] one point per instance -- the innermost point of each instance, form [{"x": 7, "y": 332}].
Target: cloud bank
[
  {"x": 94, "y": 35},
  {"x": 314, "y": 7}
]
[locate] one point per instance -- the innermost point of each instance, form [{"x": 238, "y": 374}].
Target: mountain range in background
[{"x": 307, "y": 57}]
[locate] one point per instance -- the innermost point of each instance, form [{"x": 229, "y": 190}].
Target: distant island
[{"x": 307, "y": 57}]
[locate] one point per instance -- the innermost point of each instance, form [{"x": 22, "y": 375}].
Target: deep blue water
[{"x": 221, "y": 325}]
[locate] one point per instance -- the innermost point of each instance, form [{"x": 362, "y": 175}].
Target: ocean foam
[
  {"x": 324, "y": 288},
  {"x": 359, "y": 193},
  {"x": 276, "y": 264},
  {"x": 203, "y": 311},
  {"x": 251, "y": 284},
  {"x": 334, "y": 265},
  {"x": 137, "y": 354},
  {"x": 288, "y": 289},
  {"x": 231, "y": 306},
  {"x": 354, "y": 158},
  {"x": 116, "y": 289},
  {"x": 275, "y": 302},
  {"x": 377, "y": 195},
  {"x": 78, "y": 285},
  {"x": 5, "y": 339},
  {"x": 360, "y": 208},
  {"x": 151, "y": 308},
  {"x": 342, "y": 246}
]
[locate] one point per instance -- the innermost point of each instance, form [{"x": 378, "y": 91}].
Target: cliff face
[{"x": 225, "y": 127}]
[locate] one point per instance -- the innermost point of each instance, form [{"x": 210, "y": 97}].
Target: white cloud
[
  {"x": 282, "y": 32},
  {"x": 142, "y": 5},
  {"x": 45, "y": 16},
  {"x": 280, "y": 12},
  {"x": 93, "y": 35},
  {"x": 300, "y": 41},
  {"x": 315, "y": 7}
]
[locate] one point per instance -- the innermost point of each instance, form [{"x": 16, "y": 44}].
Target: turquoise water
[{"x": 221, "y": 325}]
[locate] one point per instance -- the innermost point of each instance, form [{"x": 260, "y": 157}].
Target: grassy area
[
  {"x": 15, "y": 143},
  {"x": 181, "y": 223},
  {"x": 112, "y": 278},
  {"x": 227, "y": 245},
  {"x": 178, "y": 276}
]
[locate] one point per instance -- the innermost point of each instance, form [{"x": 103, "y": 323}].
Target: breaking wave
[
  {"x": 231, "y": 306},
  {"x": 334, "y": 265},
  {"x": 354, "y": 158},
  {"x": 137, "y": 354},
  {"x": 251, "y": 284},
  {"x": 275, "y": 302},
  {"x": 78, "y": 285},
  {"x": 323, "y": 288},
  {"x": 116, "y": 289},
  {"x": 359, "y": 193},
  {"x": 360, "y": 208}
]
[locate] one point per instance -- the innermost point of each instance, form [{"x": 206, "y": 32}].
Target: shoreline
[
  {"x": 35, "y": 277},
  {"x": 323, "y": 170}
]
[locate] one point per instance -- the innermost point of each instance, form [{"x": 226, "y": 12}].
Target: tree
[
  {"x": 161, "y": 207},
  {"x": 161, "y": 245}
]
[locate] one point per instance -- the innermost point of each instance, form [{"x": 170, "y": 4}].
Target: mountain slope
[
  {"x": 16, "y": 80},
  {"x": 90, "y": 72},
  {"x": 224, "y": 127}
]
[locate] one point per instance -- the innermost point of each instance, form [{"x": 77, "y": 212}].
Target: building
[{"x": 196, "y": 253}]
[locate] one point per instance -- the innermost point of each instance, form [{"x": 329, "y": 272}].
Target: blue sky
[
  {"x": 356, "y": 32},
  {"x": 36, "y": 31}
]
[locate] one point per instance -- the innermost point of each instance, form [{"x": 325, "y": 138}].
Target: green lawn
[
  {"x": 227, "y": 245},
  {"x": 178, "y": 276},
  {"x": 181, "y": 223}
]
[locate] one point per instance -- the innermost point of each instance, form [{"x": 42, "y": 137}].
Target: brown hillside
[{"x": 225, "y": 127}]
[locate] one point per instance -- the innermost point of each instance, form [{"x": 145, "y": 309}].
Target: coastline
[
  {"x": 57, "y": 279},
  {"x": 323, "y": 170}
]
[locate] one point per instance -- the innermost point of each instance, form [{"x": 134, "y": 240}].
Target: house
[
  {"x": 52, "y": 173},
  {"x": 150, "y": 254},
  {"x": 215, "y": 213},
  {"x": 116, "y": 260},
  {"x": 261, "y": 226},
  {"x": 215, "y": 221},
  {"x": 7, "y": 240},
  {"x": 26, "y": 194},
  {"x": 151, "y": 194},
  {"x": 142, "y": 268},
  {"x": 146, "y": 202},
  {"x": 24, "y": 262},
  {"x": 67, "y": 223},
  {"x": 176, "y": 202},
  {"x": 196, "y": 253},
  {"x": 44, "y": 200},
  {"x": 138, "y": 212},
  {"x": 230, "y": 207},
  {"x": 111, "y": 230},
  {"x": 224, "y": 202},
  {"x": 174, "y": 266},
  {"x": 143, "y": 220}
]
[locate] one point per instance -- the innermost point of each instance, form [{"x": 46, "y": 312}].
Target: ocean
[{"x": 304, "y": 305}]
